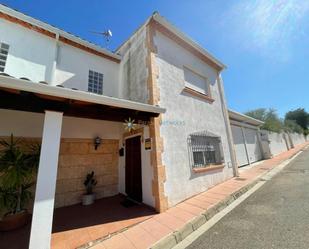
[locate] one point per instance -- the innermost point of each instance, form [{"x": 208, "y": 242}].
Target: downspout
[{"x": 227, "y": 127}]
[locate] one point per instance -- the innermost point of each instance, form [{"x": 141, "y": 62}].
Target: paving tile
[
  {"x": 139, "y": 237},
  {"x": 201, "y": 204},
  {"x": 181, "y": 214},
  {"x": 77, "y": 238},
  {"x": 190, "y": 208},
  {"x": 97, "y": 232},
  {"x": 211, "y": 200},
  {"x": 156, "y": 229},
  {"x": 169, "y": 221},
  {"x": 222, "y": 192},
  {"x": 58, "y": 241},
  {"x": 118, "y": 241},
  {"x": 99, "y": 246},
  {"x": 203, "y": 199},
  {"x": 216, "y": 196}
]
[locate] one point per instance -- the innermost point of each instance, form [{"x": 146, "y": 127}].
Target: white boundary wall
[
  {"x": 297, "y": 138},
  {"x": 275, "y": 143}
]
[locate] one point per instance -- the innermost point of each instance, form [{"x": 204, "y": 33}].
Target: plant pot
[
  {"x": 88, "y": 199},
  {"x": 14, "y": 221}
]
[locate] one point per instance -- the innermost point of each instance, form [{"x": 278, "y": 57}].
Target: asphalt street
[{"x": 275, "y": 216}]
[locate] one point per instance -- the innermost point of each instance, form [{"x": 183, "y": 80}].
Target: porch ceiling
[{"x": 23, "y": 95}]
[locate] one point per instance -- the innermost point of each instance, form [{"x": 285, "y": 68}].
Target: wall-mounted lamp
[
  {"x": 121, "y": 151},
  {"x": 97, "y": 142}
]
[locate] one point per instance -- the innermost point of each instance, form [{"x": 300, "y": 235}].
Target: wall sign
[{"x": 147, "y": 143}]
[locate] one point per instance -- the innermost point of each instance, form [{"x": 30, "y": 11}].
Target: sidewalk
[{"x": 167, "y": 229}]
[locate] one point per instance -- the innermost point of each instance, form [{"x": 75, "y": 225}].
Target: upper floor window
[
  {"x": 195, "y": 81},
  {"x": 4, "y": 50},
  {"x": 95, "y": 82},
  {"x": 205, "y": 149}
]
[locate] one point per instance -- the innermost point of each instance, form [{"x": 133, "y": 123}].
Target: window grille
[
  {"x": 205, "y": 149},
  {"x": 4, "y": 50},
  {"x": 95, "y": 82}
]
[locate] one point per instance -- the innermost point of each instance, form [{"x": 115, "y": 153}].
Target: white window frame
[
  {"x": 206, "y": 90},
  {"x": 95, "y": 82},
  {"x": 4, "y": 51}
]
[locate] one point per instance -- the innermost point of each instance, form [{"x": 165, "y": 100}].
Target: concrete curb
[{"x": 179, "y": 235}]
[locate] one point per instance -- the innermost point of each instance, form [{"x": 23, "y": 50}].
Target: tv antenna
[{"x": 106, "y": 35}]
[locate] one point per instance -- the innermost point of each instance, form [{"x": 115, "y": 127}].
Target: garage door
[
  {"x": 239, "y": 146},
  {"x": 253, "y": 146}
]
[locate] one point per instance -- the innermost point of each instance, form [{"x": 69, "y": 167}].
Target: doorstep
[{"x": 167, "y": 229}]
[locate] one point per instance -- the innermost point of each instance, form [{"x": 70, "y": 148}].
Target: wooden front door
[{"x": 133, "y": 168}]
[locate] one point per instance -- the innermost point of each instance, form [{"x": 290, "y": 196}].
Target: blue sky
[{"x": 264, "y": 43}]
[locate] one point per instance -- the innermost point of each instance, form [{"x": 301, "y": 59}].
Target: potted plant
[
  {"x": 17, "y": 175},
  {"x": 89, "y": 183}
]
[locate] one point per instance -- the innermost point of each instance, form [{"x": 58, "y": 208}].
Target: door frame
[{"x": 141, "y": 135}]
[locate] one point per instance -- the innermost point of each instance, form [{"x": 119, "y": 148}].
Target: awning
[{"x": 24, "y": 95}]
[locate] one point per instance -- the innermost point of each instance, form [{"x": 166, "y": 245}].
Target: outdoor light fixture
[
  {"x": 121, "y": 151},
  {"x": 97, "y": 142}
]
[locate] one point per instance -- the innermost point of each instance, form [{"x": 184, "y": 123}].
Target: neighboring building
[
  {"x": 167, "y": 157},
  {"x": 246, "y": 138},
  {"x": 252, "y": 144}
]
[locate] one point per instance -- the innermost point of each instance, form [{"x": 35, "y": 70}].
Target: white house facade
[{"x": 68, "y": 94}]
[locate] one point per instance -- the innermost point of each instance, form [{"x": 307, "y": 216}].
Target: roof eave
[
  {"x": 244, "y": 118},
  {"x": 55, "y": 30},
  {"x": 24, "y": 85},
  {"x": 158, "y": 18}
]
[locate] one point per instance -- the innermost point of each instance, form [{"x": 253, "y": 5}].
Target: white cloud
[{"x": 268, "y": 27}]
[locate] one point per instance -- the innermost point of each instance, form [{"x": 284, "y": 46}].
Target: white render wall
[
  {"x": 297, "y": 138},
  {"x": 133, "y": 68},
  {"x": 73, "y": 66},
  {"x": 32, "y": 55},
  {"x": 277, "y": 143},
  {"x": 184, "y": 115}
]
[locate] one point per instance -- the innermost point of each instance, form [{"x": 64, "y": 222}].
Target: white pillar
[{"x": 43, "y": 210}]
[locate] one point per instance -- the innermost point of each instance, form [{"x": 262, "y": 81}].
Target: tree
[
  {"x": 18, "y": 168},
  {"x": 292, "y": 126},
  {"x": 300, "y": 116},
  {"x": 271, "y": 120}
]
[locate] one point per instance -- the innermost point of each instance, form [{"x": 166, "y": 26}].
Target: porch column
[{"x": 43, "y": 210}]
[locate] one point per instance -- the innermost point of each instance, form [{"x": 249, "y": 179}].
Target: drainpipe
[
  {"x": 227, "y": 127},
  {"x": 50, "y": 76}
]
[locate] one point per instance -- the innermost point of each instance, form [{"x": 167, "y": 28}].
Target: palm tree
[{"x": 17, "y": 174}]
